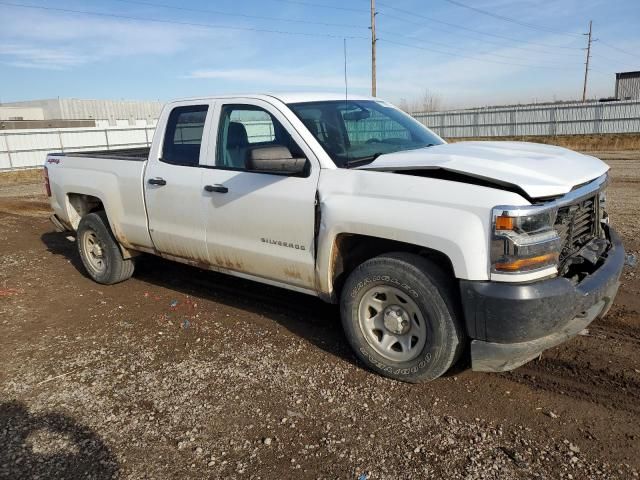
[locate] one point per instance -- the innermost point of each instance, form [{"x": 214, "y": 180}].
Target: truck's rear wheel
[
  {"x": 99, "y": 251},
  {"x": 400, "y": 316}
]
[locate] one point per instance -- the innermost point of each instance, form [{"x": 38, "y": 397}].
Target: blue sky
[{"x": 463, "y": 56}]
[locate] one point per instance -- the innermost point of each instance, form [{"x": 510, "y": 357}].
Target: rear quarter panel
[{"x": 117, "y": 183}]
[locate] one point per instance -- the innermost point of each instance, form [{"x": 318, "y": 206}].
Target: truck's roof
[
  {"x": 301, "y": 97},
  {"x": 293, "y": 97}
]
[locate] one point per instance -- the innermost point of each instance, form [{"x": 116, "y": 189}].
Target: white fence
[
  {"x": 554, "y": 119},
  {"x": 27, "y": 148}
]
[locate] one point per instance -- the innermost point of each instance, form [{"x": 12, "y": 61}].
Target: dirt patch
[
  {"x": 183, "y": 373},
  {"x": 31, "y": 175}
]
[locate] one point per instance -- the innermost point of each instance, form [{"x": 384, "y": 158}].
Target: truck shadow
[
  {"x": 303, "y": 315},
  {"x": 50, "y": 445}
]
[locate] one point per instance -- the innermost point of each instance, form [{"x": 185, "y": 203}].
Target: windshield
[{"x": 354, "y": 132}]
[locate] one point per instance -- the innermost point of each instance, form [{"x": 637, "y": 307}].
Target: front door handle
[
  {"x": 157, "y": 181},
  {"x": 216, "y": 188}
]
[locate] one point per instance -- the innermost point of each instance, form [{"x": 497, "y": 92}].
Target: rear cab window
[{"x": 183, "y": 135}]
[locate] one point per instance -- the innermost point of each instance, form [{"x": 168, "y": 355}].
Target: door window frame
[
  {"x": 158, "y": 147},
  {"x": 210, "y": 160}
]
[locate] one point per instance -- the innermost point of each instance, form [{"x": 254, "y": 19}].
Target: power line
[
  {"x": 473, "y": 58},
  {"x": 321, "y": 5},
  {"x": 611, "y": 61},
  {"x": 460, "y": 27},
  {"x": 510, "y": 19},
  {"x": 528, "y": 48},
  {"x": 242, "y": 15},
  {"x": 440, "y": 44},
  {"x": 502, "y": 17},
  {"x": 635, "y": 55},
  {"x": 175, "y": 22}
]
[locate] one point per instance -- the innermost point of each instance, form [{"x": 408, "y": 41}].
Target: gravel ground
[{"x": 182, "y": 373}]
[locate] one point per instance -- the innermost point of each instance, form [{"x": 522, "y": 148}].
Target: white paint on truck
[
  {"x": 182, "y": 221},
  {"x": 328, "y": 185}
]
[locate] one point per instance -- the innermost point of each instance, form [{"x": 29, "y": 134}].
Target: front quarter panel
[{"x": 450, "y": 217}]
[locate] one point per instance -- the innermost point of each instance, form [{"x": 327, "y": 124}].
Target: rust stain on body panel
[{"x": 292, "y": 272}]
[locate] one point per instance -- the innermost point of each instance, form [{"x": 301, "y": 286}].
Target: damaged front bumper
[{"x": 511, "y": 324}]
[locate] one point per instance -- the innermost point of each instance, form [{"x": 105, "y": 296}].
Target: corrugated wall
[
  {"x": 130, "y": 111},
  {"x": 110, "y": 110},
  {"x": 557, "y": 119},
  {"x": 28, "y": 148},
  {"x": 628, "y": 87}
]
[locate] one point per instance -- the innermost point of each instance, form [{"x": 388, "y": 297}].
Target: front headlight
[{"x": 524, "y": 239}]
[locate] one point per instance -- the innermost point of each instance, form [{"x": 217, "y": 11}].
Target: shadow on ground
[
  {"x": 303, "y": 315},
  {"x": 50, "y": 446}
]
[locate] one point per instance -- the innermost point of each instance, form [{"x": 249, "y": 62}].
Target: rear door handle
[
  {"x": 157, "y": 181},
  {"x": 216, "y": 188}
]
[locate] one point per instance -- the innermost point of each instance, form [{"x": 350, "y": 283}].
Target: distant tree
[
  {"x": 427, "y": 102},
  {"x": 430, "y": 102}
]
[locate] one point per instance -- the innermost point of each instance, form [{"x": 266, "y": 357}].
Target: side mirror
[{"x": 274, "y": 159}]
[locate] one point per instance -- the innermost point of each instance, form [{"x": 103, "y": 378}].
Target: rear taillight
[{"x": 47, "y": 186}]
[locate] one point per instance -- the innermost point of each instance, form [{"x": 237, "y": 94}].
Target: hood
[{"x": 538, "y": 170}]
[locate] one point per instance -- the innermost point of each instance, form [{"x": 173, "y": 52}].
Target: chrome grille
[{"x": 577, "y": 225}]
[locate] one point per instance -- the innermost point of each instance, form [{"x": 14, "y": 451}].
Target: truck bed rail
[{"x": 133, "y": 154}]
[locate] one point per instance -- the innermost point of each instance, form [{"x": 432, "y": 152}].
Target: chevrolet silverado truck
[{"x": 498, "y": 250}]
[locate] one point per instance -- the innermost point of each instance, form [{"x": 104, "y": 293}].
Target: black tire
[
  {"x": 114, "y": 268},
  {"x": 427, "y": 287}
]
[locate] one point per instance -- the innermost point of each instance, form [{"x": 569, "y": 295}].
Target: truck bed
[
  {"x": 118, "y": 185},
  {"x": 133, "y": 154}
]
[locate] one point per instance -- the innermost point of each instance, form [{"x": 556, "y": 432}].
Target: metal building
[
  {"x": 628, "y": 85},
  {"x": 20, "y": 113},
  {"x": 105, "y": 113}
]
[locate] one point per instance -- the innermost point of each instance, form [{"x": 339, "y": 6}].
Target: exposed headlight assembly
[
  {"x": 602, "y": 198},
  {"x": 524, "y": 240}
]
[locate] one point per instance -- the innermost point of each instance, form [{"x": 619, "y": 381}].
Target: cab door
[
  {"x": 260, "y": 224},
  {"x": 173, "y": 184}
]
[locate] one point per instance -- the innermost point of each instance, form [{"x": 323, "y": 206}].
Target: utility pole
[
  {"x": 373, "y": 48},
  {"x": 586, "y": 64}
]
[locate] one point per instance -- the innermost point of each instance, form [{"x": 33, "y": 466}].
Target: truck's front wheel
[
  {"x": 99, "y": 251},
  {"x": 399, "y": 315}
]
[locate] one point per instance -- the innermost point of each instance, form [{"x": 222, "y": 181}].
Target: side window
[
  {"x": 183, "y": 136},
  {"x": 243, "y": 128}
]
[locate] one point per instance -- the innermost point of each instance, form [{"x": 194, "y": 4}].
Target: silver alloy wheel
[
  {"x": 94, "y": 251},
  {"x": 392, "y": 323}
]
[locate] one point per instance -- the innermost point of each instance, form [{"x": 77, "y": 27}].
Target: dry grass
[
  {"x": 31, "y": 175},
  {"x": 629, "y": 141}
]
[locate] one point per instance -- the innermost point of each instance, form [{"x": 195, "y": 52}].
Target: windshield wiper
[{"x": 357, "y": 162}]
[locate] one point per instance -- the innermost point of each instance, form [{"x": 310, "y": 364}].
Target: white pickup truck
[{"x": 498, "y": 249}]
